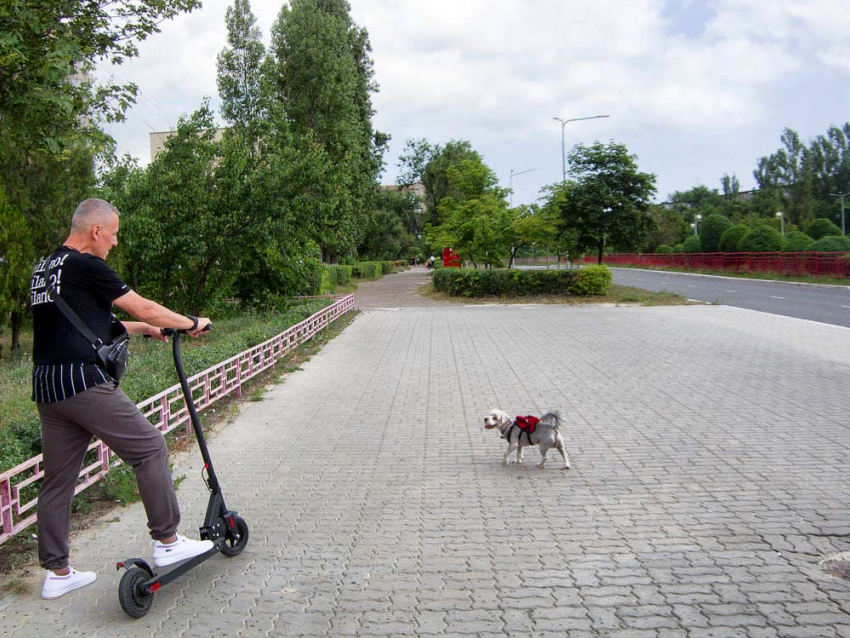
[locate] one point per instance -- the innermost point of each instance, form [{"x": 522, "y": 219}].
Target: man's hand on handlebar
[
  {"x": 204, "y": 324},
  {"x": 155, "y": 333}
]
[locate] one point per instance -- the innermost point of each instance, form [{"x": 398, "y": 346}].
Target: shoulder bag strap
[{"x": 72, "y": 316}]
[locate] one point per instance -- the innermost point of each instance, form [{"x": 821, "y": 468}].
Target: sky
[{"x": 694, "y": 88}]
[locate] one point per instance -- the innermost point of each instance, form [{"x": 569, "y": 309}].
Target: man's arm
[{"x": 155, "y": 315}]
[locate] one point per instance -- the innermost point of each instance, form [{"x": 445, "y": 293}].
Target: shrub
[
  {"x": 387, "y": 267},
  {"x": 592, "y": 280},
  {"x": 327, "y": 282},
  {"x": 339, "y": 274},
  {"x": 763, "y": 239},
  {"x": 711, "y": 232},
  {"x": 663, "y": 248},
  {"x": 468, "y": 282},
  {"x": 679, "y": 248},
  {"x": 731, "y": 238},
  {"x": 367, "y": 270},
  {"x": 831, "y": 243},
  {"x": 692, "y": 244},
  {"x": 820, "y": 228},
  {"x": 798, "y": 242}
]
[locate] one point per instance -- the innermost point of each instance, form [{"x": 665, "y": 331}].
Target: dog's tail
[{"x": 552, "y": 419}]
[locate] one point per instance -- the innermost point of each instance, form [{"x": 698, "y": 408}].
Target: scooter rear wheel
[
  {"x": 233, "y": 546},
  {"x": 133, "y": 601}
]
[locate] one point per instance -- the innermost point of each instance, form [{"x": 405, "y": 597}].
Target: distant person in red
[{"x": 77, "y": 399}]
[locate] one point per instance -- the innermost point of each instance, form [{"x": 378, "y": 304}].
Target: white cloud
[{"x": 496, "y": 71}]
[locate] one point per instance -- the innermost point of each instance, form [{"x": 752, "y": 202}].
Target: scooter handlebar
[
  {"x": 168, "y": 332},
  {"x": 172, "y": 331}
]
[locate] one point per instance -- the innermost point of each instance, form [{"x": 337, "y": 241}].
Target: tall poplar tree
[{"x": 323, "y": 76}]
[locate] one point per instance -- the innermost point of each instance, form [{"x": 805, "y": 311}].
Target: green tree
[
  {"x": 394, "y": 228},
  {"x": 609, "y": 202},
  {"x": 530, "y": 225},
  {"x": 474, "y": 217},
  {"x": 240, "y": 71},
  {"x": 50, "y": 111},
  {"x": 429, "y": 165},
  {"x": 323, "y": 76},
  {"x": 669, "y": 228}
]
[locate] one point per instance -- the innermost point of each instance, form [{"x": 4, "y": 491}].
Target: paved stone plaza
[{"x": 710, "y": 463}]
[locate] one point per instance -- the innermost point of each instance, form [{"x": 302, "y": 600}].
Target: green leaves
[
  {"x": 607, "y": 204},
  {"x": 322, "y": 75}
]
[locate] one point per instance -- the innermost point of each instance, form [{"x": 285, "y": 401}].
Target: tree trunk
[
  {"x": 601, "y": 251},
  {"x": 17, "y": 322}
]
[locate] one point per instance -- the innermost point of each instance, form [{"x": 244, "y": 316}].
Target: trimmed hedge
[
  {"x": 831, "y": 243},
  {"x": 798, "y": 242},
  {"x": 822, "y": 227},
  {"x": 592, "y": 280},
  {"x": 692, "y": 244},
  {"x": 367, "y": 270},
  {"x": 339, "y": 274},
  {"x": 763, "y": 239},
  {"x": 732, "y": 237},
  {"x": 387, "y": 267},
  {"x": 468, "y": 282},
  {"x": 711, "y": 232},
  {"x": 663, "y": 249}
]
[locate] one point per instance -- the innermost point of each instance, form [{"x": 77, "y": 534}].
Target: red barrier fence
[
  {"x": 815, "y": 264},
  {"x": 166, "y": 411}
]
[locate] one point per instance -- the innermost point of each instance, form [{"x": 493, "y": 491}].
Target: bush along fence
[
  {"x": 166, "y": 411},
  {"x": 781, "y": 263},
  {"x": 468, "y": 282}
]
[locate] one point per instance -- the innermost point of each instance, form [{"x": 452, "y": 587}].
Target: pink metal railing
[
  {"x": 166, "y": 411},
  {"x": 818, "y": 264}
]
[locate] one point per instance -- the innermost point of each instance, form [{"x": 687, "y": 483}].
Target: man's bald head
[{"x": 92, "y": 212}]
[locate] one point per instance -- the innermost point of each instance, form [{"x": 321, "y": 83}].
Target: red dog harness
[{"x": 526, "y": 424}]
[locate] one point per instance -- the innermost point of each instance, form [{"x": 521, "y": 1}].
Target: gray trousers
[{"x": 66, "y": 431}]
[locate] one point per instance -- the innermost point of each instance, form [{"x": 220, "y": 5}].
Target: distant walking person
[{"x": 77, "y": 398}]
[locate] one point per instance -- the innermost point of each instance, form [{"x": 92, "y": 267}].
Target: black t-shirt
[{"x": 64, "y": 360}]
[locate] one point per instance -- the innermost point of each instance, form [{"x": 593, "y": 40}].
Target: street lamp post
[
  {"x": 781, "y": 216},
  {"x": 511, "y": 182},
  {"x": 842, "y": 196},
  {"x": 695, "y": 225},
  {"x": 563, "y": 152}
]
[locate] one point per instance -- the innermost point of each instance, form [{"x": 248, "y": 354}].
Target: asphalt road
[{"x": 827, "y": 304}]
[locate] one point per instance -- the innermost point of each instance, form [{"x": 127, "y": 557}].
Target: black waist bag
[{"x": 112, "y": 356}]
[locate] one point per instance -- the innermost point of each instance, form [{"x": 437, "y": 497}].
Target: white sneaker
[
  {"x": 55, "y": 586},
  {"x": 181, "y": 549}
]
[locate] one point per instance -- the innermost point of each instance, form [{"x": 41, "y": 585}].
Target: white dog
[{"x": 524, "y": 431}]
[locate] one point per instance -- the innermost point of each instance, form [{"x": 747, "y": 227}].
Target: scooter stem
[{"x": 193, "y": 415}]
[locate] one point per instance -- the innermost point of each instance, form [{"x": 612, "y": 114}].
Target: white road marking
[
  {"x": 691, "y": 286},
  {"x": 731, "y": 291},
  {"x": 846, "y": 307},
  {"x": 773, "y": 297}
]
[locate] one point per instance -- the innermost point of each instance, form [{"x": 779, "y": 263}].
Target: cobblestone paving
[{"x": 709, "y": 448}]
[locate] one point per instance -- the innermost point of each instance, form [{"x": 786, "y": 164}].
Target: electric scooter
[{"x": 225, "y": 528}]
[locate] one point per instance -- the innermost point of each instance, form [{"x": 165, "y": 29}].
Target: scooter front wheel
[
  {"x": 232, "y": 545},
  {"x": 133, "y": 600}
]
